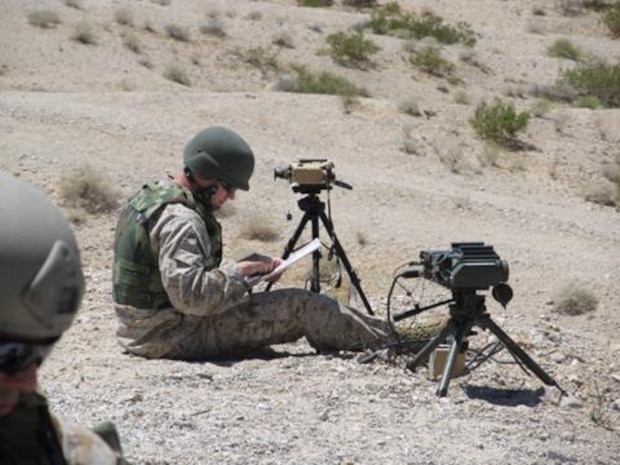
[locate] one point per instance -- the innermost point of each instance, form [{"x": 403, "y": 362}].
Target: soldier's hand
[{"x": 256, "y": 264}]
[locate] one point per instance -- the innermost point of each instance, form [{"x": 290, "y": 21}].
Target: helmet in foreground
[
  {"x": 41, "y": 280},
  {"x": 220, "y": 153}
]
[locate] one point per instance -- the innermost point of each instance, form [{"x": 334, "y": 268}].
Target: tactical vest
[
  {"x": 136, "y": 277},
  {"x": 28, "y": 436}
]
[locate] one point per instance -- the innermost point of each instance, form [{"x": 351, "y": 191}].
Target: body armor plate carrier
[{"x": 136, "y": 277}]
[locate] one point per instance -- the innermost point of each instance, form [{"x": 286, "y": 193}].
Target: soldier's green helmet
[
  {"x": 41, "y": 279},
  {"x": 220, "y": 153}
]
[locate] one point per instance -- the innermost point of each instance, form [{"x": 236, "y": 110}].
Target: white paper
[{"x": 295, "y": 256}]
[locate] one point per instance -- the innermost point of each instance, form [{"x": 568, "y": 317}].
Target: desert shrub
[
  {"x": 410, "y": 107},
  {"x": 86, "y": 187},
  {"x": 461, "y": 98},
  {"x": 611, "y": 19},
  {"x": 315, "y": 3},
  {"x": 499, "y": 122},
  {"x": 325, "y": 82},
  {"x": 588, "y": 101},
  {"x": 360, "y": 3},
  {"x": 84, "y": 34},
  {"x": 574, "y": 299},
  {"x": 394, "y": 21},
  {"x": 77, "y": 4},
  {"x": 148, "y": 64},
  {"x": 570, "y": 7},
  {"x": 410, "y": 145},
  {"x": 176, "y": 73},
  {"x": 595, "y": 5},
  {"x": 558, "y": 92},
  {"x": 611, "y": 172},
  {"x": 351, "y": 48},
  {"x": 605, "y": 194},
  {"x": 429, "y": 60},
  {"x": 132, "y": 42},
  {"x": 262, "y": 58},
  {"x": 284, "y": 40},
  {"x": 540, "y": 108},
  {"x": 564, "y": 48},
  {"x": 257, "y": 229},
  {"x": 213, "y": 27},
  {"x": 124, "y": 17},
  {"x": 45, "y": 19},
  {"x": 177, "y": 32},
  {"x": 600, "y": 80}
]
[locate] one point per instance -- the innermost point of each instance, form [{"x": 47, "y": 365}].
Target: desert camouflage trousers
[{"x": 263, "y": 319}]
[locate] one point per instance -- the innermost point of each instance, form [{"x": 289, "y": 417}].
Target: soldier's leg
[{"x": 285, "y": 316}]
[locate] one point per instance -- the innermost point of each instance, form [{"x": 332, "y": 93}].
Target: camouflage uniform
[
  {"x": 30, "y": 435},
  {"x": 208, "y": 312}
]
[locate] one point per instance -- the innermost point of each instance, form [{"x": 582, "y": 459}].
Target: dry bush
[
  {"x": 132, "y": 42},
  {"x": 77, "y": 4},
  {"x": 461, "y": 98},
  {"x": 177, "y": 32},
  {"x": 411, "y": 145},
  {"x": 257, "y": 229},
  {"x": 350, "y": 103},
  {"x": 84, "y": 34},
  {"x": 284, "y": 40},
  {"x": 214, "y": 26},
  {"x": 86, "y": 188},
  {"x": 570, "y": 7},
  {"x": 45, "y": 19},
  {"x": 540, "y": 108},
  {"x": 255, "y": 16},
  {"x": 361, "y": 3},
  {"x": 148, "y": 64},
  {"x": 410, "y": 107},
  {"x": 176, "y": 73},
  {"x": 361, "y": 239},
  {"x": 564, "y": 48},
  {"x": 148, "y": 27},
  {"x": 602, "y": 193},
  {"x": 574, "y": 299},
  {"x": 124, "y": 17},
  {"x": 266, "y": 60}
]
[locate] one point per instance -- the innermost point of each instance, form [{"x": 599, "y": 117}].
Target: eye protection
[
  {"x": 228, "y": 188},
  {"x": 16, "y": 357}
]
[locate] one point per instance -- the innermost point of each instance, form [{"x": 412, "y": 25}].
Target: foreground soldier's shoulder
[{"x": 82, "y": 446}]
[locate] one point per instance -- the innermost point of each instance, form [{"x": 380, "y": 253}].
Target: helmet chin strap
[{"x": 203, "y": 194}]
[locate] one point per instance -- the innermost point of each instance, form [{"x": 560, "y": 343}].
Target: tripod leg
[
  {"x": 430, "y": 346},
  {"x": 345, "y": 261},
  {"x": 461, "y": 330},
  {"x": 517, "y": 351},
  {"x": 315, "y": 281},
  {"x": 290, "y": 246}
]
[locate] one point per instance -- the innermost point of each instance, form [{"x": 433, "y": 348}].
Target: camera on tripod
[
  {"x": 465, "y": 269},
  {"x": 310, "y": 175},
  {"x": 467, "y": 266}
]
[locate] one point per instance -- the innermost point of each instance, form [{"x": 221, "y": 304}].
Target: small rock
[{"x": 570, "y": 402}]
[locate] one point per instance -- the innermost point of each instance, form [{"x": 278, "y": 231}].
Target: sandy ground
[{"x": 65, "y": 105}]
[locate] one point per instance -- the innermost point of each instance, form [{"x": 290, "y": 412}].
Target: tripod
[
  {"x": 314, "y": 210},
  {"x": 467, "y": 309}
]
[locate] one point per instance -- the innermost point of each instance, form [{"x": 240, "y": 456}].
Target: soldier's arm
[
  {"x": 185, "y": 263},
  {"x": 81, "y": 445}
]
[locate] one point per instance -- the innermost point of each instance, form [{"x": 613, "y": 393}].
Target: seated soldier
[{"x": 175, "y": 298}]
